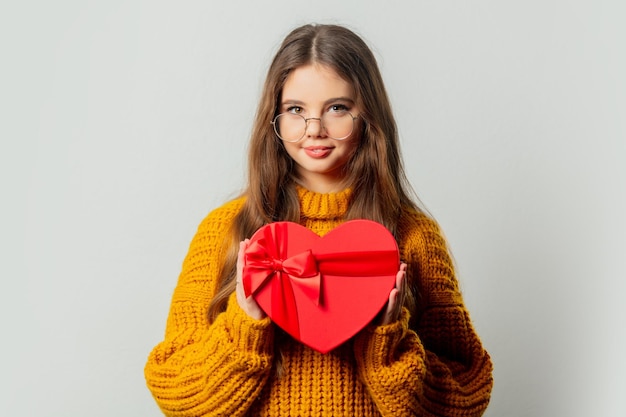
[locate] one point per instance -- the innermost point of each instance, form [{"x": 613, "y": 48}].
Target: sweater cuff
[
  {"x": 248, "y": 334},
  {"x": 378, "y": 343}
]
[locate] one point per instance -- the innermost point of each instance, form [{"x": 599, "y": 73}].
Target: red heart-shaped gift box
[{"x": 321, "y": 290}]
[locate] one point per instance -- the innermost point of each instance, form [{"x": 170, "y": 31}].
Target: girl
[{"x": 324, "y": 149}]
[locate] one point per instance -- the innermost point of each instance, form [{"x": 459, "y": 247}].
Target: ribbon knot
[{"x": 277, "y": 264}]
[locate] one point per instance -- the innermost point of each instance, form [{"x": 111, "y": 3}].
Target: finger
[
  {"x": 393, "y": 300},
  {"x": 241, "y": 253},
  {"x": 388, "y": 317},
  {"x": 241, "y": 261},
  {"x": 400, "y": 277},
  {"x": 399, "y": 280}
]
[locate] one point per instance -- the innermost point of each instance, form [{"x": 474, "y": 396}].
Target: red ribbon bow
[{"x": 266, "y": 259}]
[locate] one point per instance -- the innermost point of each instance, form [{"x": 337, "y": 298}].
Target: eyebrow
[{"x": 330, "y": 100}]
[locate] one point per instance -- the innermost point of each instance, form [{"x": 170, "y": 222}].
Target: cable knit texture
[{"x": 428, "y": 363}]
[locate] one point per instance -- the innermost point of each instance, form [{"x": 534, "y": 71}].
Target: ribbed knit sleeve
[
  {"x": 201, "y": 369},
  {"x": 430, "y": 362}
]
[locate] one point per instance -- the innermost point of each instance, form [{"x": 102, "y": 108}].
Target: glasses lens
[
  {"x": 290, "y": 127},
  {"x": 338, "y": 124}
]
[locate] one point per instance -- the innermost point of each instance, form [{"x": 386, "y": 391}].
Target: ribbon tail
[
  {"x": 284, "y": 307},
  {"x": 310, "y": 286}
]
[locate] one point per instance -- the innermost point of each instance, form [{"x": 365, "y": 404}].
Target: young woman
[{"x": 324, "y": 150}]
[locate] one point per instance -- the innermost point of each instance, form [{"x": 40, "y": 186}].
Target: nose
[{"x": 314, "y": 129}]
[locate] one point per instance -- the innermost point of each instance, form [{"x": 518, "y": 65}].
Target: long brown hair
[{"x": 374, "y": 173}]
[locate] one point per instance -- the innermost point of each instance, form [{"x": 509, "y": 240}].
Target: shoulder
[
  {"x": 207, "y": 246},
  {"x": 221, "y": 218},
  {"x": 417, "y": 229}
]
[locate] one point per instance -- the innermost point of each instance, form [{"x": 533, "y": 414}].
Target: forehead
[{"x": 315, "y": 83}]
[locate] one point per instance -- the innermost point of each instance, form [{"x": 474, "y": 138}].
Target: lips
[{"x": 318, "y": 151}]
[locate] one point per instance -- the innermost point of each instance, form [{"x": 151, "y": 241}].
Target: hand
[
  {"x": 396, "y": 298},
  {"x": 247, "y": 304}
]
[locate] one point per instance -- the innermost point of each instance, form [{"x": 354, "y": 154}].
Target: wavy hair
[{"x": 374, "y": 173}]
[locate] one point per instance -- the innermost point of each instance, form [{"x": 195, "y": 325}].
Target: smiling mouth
[
  {"x": 318, "y": 151},
  {"x": 318, "y": 148}
]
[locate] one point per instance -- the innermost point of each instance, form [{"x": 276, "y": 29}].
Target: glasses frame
[{"x": 306, "y": 126}]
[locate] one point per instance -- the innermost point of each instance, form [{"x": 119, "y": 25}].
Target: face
[{"x": 313, "y": 91}]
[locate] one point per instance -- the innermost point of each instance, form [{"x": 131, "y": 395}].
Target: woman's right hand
[{"x": 247, "y": 304}]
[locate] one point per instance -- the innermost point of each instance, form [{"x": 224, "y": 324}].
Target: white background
[{"x": 124, "y": 122}]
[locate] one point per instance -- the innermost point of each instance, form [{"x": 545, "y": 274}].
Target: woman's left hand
[
  {"x": 247, "y": 304},
  {"x": 396, "y": 298}
]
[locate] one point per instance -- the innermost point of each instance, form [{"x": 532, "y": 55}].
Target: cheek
[
  {"x": 357, "y": 134},
  {"x": 355, "y": 142},
  {"x": 290, "y": 149}
]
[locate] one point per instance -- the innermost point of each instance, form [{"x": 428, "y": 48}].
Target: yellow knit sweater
[{"x": 436, "y": 366}]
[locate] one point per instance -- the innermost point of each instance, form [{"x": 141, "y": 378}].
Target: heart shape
[{"x": 321, "y": 290}]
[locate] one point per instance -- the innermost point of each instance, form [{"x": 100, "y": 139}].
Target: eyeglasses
[{"x": 291, "y": 127}]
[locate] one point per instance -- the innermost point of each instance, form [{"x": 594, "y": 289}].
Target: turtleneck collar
[{"x": 323, "y": 206}]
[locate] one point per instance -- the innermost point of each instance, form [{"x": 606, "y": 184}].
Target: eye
[
  {"x": 293, "y": 110},
  {"x": 338, "y": 108}
]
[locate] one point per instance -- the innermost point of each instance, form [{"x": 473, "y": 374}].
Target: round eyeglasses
[{"x": 291, "y": 127}]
